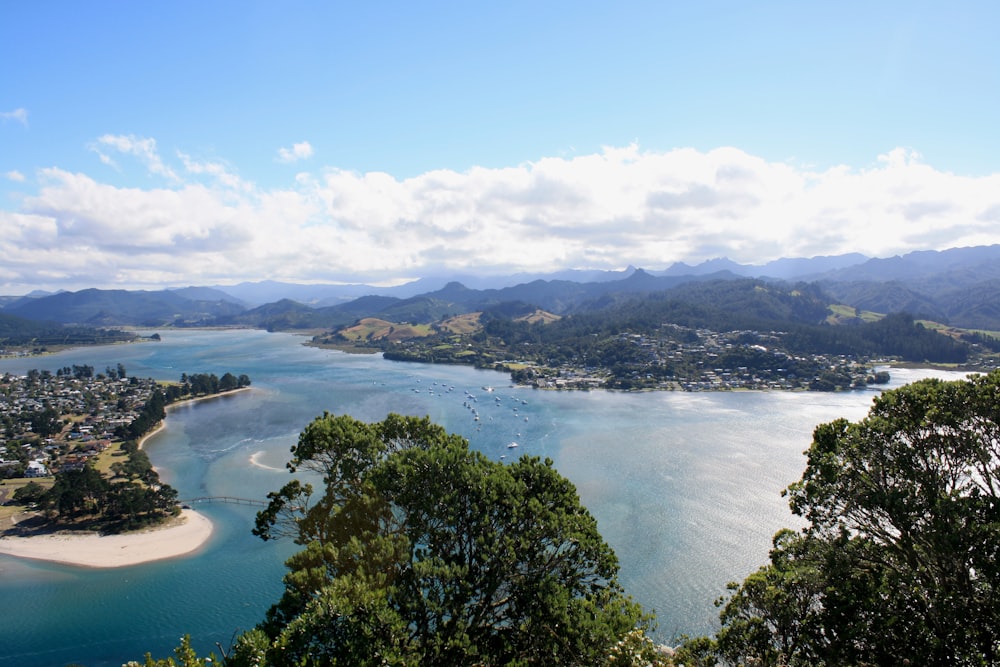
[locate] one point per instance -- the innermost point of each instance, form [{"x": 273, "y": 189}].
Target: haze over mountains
[{"x": 960, "y": 286}]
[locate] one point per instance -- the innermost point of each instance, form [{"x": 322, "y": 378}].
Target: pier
[{"x": 233, "y": 500}]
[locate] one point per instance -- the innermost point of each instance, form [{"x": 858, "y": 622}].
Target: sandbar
[{"x": 185, "y": 535}]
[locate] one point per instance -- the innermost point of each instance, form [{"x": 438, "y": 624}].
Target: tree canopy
[
  {"x": 422, "y": 551},
  {"x": 900, "y": 561}
]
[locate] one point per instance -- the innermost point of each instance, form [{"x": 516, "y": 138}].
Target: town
[
  {"x": 54, "y": 422},
  {"x": 704, "y": 360},
  {"x": 671, "y": 358}
]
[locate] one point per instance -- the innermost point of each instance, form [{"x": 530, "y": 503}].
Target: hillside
[
  {"x": 21, "y": 334},
  {"x": 706, "y": 335},
  {"x": 94, "y": 307}
]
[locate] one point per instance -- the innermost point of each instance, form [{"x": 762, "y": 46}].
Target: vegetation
[
  {"x": 85, "y": 497},
  {"x": 117, "y": 489},
  {"x": 18, "y": 334},
  {"x": 899, "y": 561},
  {"x": 422, "y": 551},
  {"x": 205, "y": 384},
  {"x": 768, "y": 335}
]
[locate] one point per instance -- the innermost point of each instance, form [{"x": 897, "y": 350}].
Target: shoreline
[
  {"x": 178, "y": 537},
  {"x": 162, "y": 424},
  {"x": 181, "y": 537}
]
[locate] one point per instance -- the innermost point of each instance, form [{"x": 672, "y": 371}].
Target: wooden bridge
[{"x": 224, "y": 499}]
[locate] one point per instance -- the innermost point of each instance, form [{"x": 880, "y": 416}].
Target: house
[{"x": 36, "y": 469}]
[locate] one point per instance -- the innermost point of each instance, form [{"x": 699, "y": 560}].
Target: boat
[{"x": 512, "y": 445}]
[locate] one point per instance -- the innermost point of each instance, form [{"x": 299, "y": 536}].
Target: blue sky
[{"x": 164, "y": 144}]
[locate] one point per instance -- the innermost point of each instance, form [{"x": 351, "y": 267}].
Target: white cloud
[
  {"x": 143, "y": 149},
  {"x": 299, "y": 151},
  {"x": 606, "y": 210},
  {"x": 220, "y": 172},
  {"x": 15, "y": 176},
  {"x": 19, "y": 115}
]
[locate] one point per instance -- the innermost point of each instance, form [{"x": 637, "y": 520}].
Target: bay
[{"x": 685, "y": 487}]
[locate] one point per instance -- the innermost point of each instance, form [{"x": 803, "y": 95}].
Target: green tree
[
  {"x": 77, "y": 492},
  {"x": 185, "y": 657},
  {"x": 901, "y": 556},
  {"x": 46, "y": 422},
  {"x": 228, "y": 382},
  {"x": 30, "y": 493},
  {"x": 422, "y": 551}
]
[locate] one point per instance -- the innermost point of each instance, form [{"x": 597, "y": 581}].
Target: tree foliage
[
  {"x": 900, "y": 557},
  {"x": 422, "y": 551},
  {"x": 84, "y": 494}
]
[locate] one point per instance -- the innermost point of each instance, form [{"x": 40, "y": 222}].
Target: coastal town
[
  {"x": 54, "y": 422},
  {"x": 75, "y": 485},
  {"x": 59, "y": 421},
  {"x": 673, "y": 358},
  {"x": 713, "y": 361}
]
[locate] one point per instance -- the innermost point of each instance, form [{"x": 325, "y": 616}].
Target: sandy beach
[
  {"x": 190, "y": 533},
  {"x": 183, "y": 536}
]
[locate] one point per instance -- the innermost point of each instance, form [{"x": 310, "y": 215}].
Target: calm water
[{"x": 685, "y": 487}]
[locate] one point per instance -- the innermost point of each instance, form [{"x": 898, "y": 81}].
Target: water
[{"x": 685, "y": 487}]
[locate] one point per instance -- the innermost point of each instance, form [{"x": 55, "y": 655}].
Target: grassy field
[
  {"x": 840, "y": 312},
  {"x": 372, "y": 328},
  {"x": 7, "y": 489},
  {"x": 462, "y": 324}
]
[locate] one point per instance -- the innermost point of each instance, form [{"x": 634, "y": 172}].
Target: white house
[{"x": 36, "y": 469}]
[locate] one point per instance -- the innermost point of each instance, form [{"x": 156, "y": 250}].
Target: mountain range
[{"x": 960, "y": 287}]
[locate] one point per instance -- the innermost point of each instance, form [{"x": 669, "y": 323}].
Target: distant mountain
[
  {"x": 14, "y": 328},
  {"x": 885, "y": 297},
  {"x": 798, "y": 269},
  {"x": 960, "y": 286},
  {"x": 208, "y": 294},
  {"x": 13, "y": 301},
  {"x": 323, "y": 295},
  {"x": 21, "y": 332},
  {"x": 957, "y": 286},
  {"x": 984, "y": 261},
  {"x": 270, "y": 291},
  {"x": 94, "y": 307}
]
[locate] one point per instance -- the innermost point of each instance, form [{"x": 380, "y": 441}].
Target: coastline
[
  {"x": 185, "y": 535},
  {"x": 180, "y": 536},
  {"x": 162, "y": 424}
]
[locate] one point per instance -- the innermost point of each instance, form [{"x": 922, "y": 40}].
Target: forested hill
[
  {"x": 698, "y": 336},
  {"x": 799, "y": 314},
  {"x": 31, "y": 335},
  {"x": 959, "y": 287}
]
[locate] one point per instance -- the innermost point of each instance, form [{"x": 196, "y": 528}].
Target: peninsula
[
  {"x": 78, "y": 488},
  {"x": 181, "y": 535}
]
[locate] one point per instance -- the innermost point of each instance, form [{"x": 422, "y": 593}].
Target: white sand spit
[{"x": 189, "y": 533}]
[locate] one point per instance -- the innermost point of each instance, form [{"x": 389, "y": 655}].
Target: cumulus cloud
[
  {"x": 299, "y": 151},
  {"x": 620, "y": 206},
  {"x": 15, "y": 176},
  {"x": 19, "y": 115}
]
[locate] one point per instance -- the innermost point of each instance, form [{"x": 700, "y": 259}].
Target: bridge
[{"x": 224, "y": 499}]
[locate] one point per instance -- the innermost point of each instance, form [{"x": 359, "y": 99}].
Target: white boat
[{"x": 512, "y": 445}]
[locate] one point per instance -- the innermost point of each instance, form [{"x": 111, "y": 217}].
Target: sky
[{"x": 163, "y": 144}]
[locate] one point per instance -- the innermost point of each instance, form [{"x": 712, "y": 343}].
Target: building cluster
[
  {"x": 703, "y": 360},
  {"x": 54, "y": 421}
]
